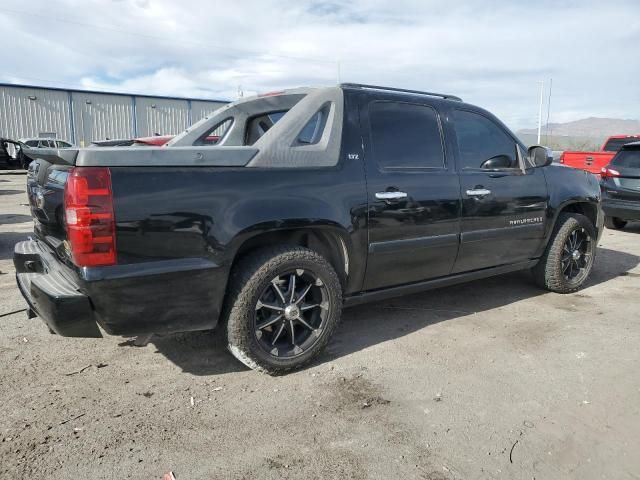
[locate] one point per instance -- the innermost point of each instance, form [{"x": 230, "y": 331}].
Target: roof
[
  {"x": 79, "y": 90},
  {"x": 42, "y": 138},
  {"x": 446, "y": 96}
]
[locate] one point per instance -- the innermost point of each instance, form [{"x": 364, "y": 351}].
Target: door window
[
  {"x": 405, "y": 135},
  {"x": 482, "y": 144}
]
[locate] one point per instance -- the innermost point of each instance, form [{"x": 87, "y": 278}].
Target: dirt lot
[{"x": 493, "y": 379}]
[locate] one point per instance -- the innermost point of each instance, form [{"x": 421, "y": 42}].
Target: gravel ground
[{"x": 492, "y": 379}]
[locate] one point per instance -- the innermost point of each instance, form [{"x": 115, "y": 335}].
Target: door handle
[
  {"x": 478, "y": 192},
  {"x": 390, "y": 195}
]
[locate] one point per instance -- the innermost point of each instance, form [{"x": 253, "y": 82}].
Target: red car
[
  {"x": 594, "y": 161},
  {"x": 155, "y": 141}
]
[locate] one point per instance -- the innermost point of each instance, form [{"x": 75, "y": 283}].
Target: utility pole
[
  {"x": 548, "y": 111},
  {"x": 540, "y": 110}
]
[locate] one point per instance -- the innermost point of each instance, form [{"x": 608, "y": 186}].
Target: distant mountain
[{"x": 589, "y": 127}]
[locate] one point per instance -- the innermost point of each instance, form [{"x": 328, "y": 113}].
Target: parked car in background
[
  {"x": 594, "y": 161},
  {"x": 155, "y": 141},
  {"x": 311, "y": 199},
  {"x": 28, "y": 145},
  {"x": 11, "y": 154},
  {"x": 620, "y": 184},
  {"x": 117, "y": 142},
  {"x": 45, "y": 143}
]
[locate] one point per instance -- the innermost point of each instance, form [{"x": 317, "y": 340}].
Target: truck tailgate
[{"x": 590, "y": 161}]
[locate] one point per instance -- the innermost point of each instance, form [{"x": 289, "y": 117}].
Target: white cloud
[{"x": 491, "y": 53}]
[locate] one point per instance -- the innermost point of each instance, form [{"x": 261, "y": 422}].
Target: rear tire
[
  {"x": 614, "y": 223},
  {"x": 284, "y": 304},
  {"x": 568, "y": 259}
]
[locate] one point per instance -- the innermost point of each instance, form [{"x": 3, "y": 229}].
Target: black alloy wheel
[
  {"x": 291, "y": 313},
  {"x": 283, "y": 305},
  {"x": 576, "y": 256},
  {"x": 569, "y": 256}
]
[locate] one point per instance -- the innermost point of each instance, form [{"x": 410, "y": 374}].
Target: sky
[{"x": 492, "y": 53}]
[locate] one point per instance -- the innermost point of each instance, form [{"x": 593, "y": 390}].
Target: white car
[{"x": 45, "y": 143}]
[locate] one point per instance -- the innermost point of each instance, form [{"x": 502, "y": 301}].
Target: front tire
[
  {"x": 614, "y": 223},
  {"x": 284, "y": 304},
  {"x": 568, "y": 259}
]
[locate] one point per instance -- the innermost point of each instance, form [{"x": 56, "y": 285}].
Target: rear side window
[
  {"x": 616, "y": 144},
  {"x": 405, "y": 135},
  {"x": 627, "y": 159},
  {"x": 481, "y": 143},
  {"x": 259, "y": 125},
  {"x": 215, "y": 134},
  {"x": 312, "y": 131}
]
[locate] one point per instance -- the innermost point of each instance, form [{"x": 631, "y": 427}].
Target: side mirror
[{"x": 540, "y": 156}]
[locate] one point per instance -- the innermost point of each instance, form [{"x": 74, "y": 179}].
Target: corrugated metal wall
[
  {"x": 161, "y": 116},
  {"x": 35, "y": 112},
  {"x": 98, "y": 117},
  {"x": 200, "y": 109},
  {"x": 27, "y": 112}
]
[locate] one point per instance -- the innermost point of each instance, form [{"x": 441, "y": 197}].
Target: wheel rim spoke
[
  {"x": 292, "y": 286},
  {"x": 276, "y": 287},
  {"x": 293, "y": 332},
  {"x": 303, "y": 294},
  {"x": 277, "y": 335},
  {"x": 269, "y": 322},
  {"x": 268, "y": 306},
  {"x": 304, "y": 322},
  {"x": 570, "y": 269},
  {"x": 304, "y": 308}
]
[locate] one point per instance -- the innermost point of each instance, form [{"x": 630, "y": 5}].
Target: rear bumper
[
  {"x": 51, "y": 293},
  {"x": 625, "y": 210},
  {"x": 163, "y": 296}
]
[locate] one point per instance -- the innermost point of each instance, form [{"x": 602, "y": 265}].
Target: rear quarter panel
[{"x": 169, "y": 213}]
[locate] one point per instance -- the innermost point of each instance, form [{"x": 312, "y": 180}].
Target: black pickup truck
[{"x": 311, "y": 200}]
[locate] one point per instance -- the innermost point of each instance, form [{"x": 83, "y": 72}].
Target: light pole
[{"x": 540, "y": 110}]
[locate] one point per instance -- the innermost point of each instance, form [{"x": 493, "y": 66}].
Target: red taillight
[
  {"x": 562, "y": 158},
  {"x": 88, "y": 211},
  {"x": 607, "y": 172}
]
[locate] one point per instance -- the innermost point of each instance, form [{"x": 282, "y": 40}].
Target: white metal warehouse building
[{"x": 82, "y": 116}]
